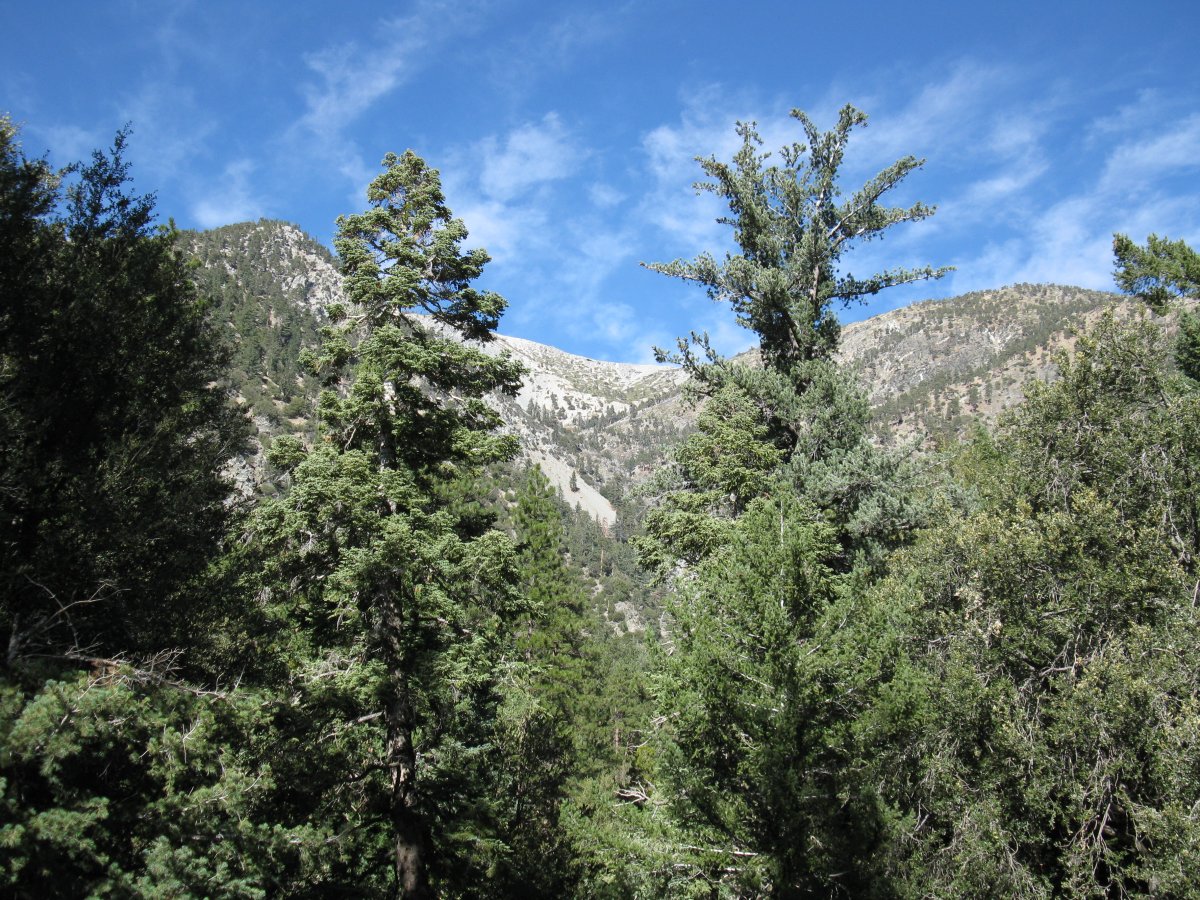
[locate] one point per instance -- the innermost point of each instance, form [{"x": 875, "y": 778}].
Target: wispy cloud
[
  {"x": 1142, "y": 158},
  {"x": 550, "y": 42},
  {"x": 605, "y": 196},
  {"x": 683, "y": 219},
  {"x": 503, "y": 187},
  {"x": 948, "y": 117},
  {"x": 528, "y": 156},
  {"x": 509, "y": 233},
  {"x": 351, "y": 78},
  {"x": 71, "y": 143},
  {"x": 231, "y": 200},
  {"x": 553, "y": 250},
  {"x": 171, "y": 128},
  {"x": 1132, "y": 188}
]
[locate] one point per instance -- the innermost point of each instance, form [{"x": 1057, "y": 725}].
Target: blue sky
[{"x": 565, "y": 132}]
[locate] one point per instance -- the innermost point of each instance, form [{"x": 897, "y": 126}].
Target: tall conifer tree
[
  {"x": 403, "y": 613},
  {"x": 781, "y": 505},
  {"x": 110, "y": 420}
]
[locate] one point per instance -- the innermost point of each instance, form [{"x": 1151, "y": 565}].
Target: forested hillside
[{"x": 314, "y": 584}]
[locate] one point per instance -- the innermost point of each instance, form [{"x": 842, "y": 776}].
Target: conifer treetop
[
  {"x": 403, "y": 254},
  {"x": 792, "y": 224}
]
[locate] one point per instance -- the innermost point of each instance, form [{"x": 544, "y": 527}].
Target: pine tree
[
  {"x": 781, "y": 510},
  {"x": 543, "y": 707},
  {"x": 793, "y": 226},
  {"x": 554, "y": 637},
  {"x": 113, "y": 436},
  {"x": 403, "y": 616},
  {"x": 1037, "y": 734},
  {"x": 1162, "y": 273},
  {"x": 111, "y": 424}
]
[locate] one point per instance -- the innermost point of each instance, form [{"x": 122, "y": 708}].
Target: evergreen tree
[
  {"x": 793, "y": 226},
  {"x": 755, "y": 756},
  {"x": 542, "y": 709},
  {"x": 1036, "y": 732},
  {"x": 1161, "y": 273},
  {"x": 728, "y": 462},
  {"x": 112, "y": 505},
  {"x": 403, "y": 615},
  {"x": 110, "y": 420},
  {"x": 554, "y": 634},
  {"x": 783, "y": 509}
]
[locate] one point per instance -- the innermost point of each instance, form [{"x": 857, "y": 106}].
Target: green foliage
[
  {"x": 110, "y": 423},
  {"x": 263, "y": 312},
  {"x": 748, "y": 677},
  {"x": 389, "y": 617},
  {"x": 553, "y": 638},
  {"x": 1159, "y": 273},
  {"x": 416, "y": 399},
  {"x": 730, "y": 455},
  {"x": 114, "y": 777},
  {"x": 119, "y": 783},
  {"x": 727, "y": 462},
  {"x": 782, "y": 506},
  {"x": 792, "y": 228},
  {"x": 793, "y": 231},
  {"x": 388, "y": 630},
  {"x": 547, "y": 704},
  {"x": 1047, "y": 745},
  {"x": 1162, "y": 273}
]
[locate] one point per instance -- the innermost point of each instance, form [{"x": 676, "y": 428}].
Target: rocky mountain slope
[
  {"x": 592, "y": 425},
  {"x": 598, "y": 427},
  {"x": 933, "y": 368}
]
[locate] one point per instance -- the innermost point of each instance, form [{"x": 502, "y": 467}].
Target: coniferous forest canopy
[{"x": 388, "y": 665}]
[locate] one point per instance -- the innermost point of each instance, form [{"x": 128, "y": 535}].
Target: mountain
[
  {"x": 933, "y": 368},
  {"x": 593, "y": 426},
  {"x": 598, "y": 428}
]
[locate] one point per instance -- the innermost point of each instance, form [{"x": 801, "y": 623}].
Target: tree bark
[
  {"x": 408, "y": 833},
  {"x": 412, "y": 879}
]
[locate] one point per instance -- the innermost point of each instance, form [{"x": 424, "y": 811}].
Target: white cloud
[
  {"x": 231, "y": 200},
  {"x": 549, "y": 43},
  {"x": 947, "y": 116},
  {"x": 528, "y": 156},
  {"x": 70, "y": 143},
  {"x": 1069, "y": 240},
  {"x": 504, "y": 231},
  {"x": 505, "y": 188},
  {"x": 605, "y": 196},
  {"x": 352, "y": 78},
  {"x": 1129, "y": 117},
  {"x": 170, "y": 129},
  {"x": 671, "y": 204},
  {"x": 1143, "y": 157}
]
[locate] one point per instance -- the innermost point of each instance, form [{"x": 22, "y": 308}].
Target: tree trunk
[
  {"x": 408, "y": 834},
  {"x": 412, "y": 879}
]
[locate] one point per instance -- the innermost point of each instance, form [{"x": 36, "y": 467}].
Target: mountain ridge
[{"x": 597, "y": 428}]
